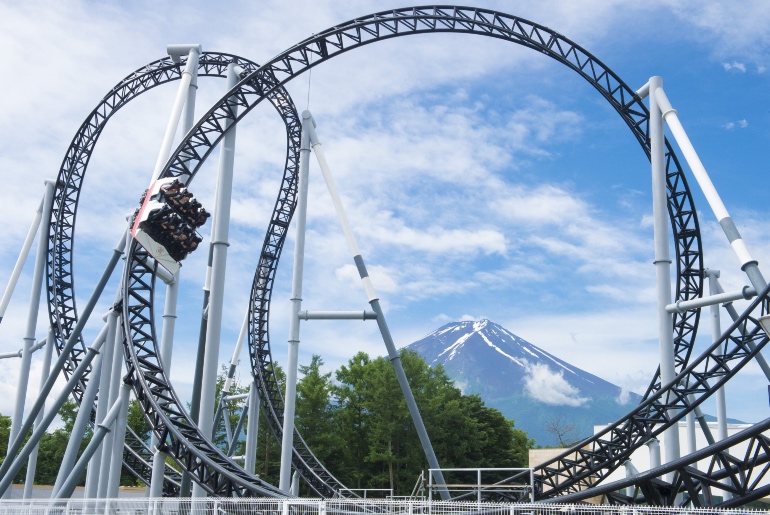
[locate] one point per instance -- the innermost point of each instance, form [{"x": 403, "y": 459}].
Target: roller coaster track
[
  {"x": 60, "y": 281},
  {"x": 269, "y": 78},
  {"x": 574, "y": 472}
]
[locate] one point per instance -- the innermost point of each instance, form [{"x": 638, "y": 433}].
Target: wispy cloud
[
  {"x": 740, "y": 124},
  {"x": 738, "y": 67}
]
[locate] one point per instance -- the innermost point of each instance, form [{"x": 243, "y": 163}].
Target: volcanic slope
[{"x": 526, "y": 383}]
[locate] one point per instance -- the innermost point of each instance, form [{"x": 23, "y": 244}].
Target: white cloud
[
  {"x": 550, "y": 387},
  {"x": 740, "y": 124},
  {"x": 735, "y": 66}
]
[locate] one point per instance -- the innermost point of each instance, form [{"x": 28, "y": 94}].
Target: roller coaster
[{"x": 576, "y": 475}]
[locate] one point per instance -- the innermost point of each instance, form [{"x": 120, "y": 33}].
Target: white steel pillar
[
  {"x": 748, "y": 263},
  {"x": 250, "y": 464},
  {"x": 104, "y": 379},
  {"x": 653, "y": 445},
  {"x": 34, "y": 307},
  {"x": 116, "y": 463},
  {"x": 300, "y": 214},
  {"x": 21, "y": 260},
  {"x": 32, "y": 461},
  {"x": 662, "y": 259},
  {"x": 716, "y": 334},
  {"x": 172, "y": 288},
  {"x": 114, "y": 377},
  {"x": 374, "y": 302},
  {"x": 220, "y": 235}
]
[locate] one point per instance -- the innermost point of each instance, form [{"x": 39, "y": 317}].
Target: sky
[{"x": 483, "y": 180}]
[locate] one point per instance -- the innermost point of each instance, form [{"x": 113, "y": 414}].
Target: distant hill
[{"x": 526, "y": 383}]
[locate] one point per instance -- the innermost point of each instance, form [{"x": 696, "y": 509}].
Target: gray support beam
[
  {"x": 669, "y": 114},
  {"x": 761, "y": 361},
  {"x": 290, "y": 396},
  {"x": 17, "y": 444},
  {"x": 662, "y": 259},
  {"x": 32, "y": 462},
  {"x": 81, "y": 420},
  {"x": 654, "y": 447},
  {"x": 220, "y": 231},
  {"x": 104, "y": 382},
  {"x": 252, "y": 428},
  {"x": 116, "y": 464},
  {"x": 172, "y": 288},
  {"x": 395, "y": 358},
  {"x": 716, "y": 333},
  {"x": 29, "y": 334},
  {"x": 108, "y": 445},
  {"x": 238, "y": 429},
  {"x": 11, "y": 467},
  {"x": 680, "y": 306},
  {"x": 17, "y": 268},
  {"x": 166, "y": 350},
  {"x": 69, "y": 484},
  {"x": 338, "y": 315}
]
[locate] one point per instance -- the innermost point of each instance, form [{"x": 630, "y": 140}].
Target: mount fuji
[{"x": 524, "y": 382}]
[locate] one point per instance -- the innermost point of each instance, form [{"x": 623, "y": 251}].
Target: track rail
[
  {"x": 262, "y": 83},
  {"x": 61, "y": 228},
  {"x": 576, "y": 470}
]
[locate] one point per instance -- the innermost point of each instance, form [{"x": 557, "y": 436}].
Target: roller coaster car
[{"x": 165, "y": 222}]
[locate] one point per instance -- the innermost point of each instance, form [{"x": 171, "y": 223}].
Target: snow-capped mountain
[{"x": 526, "y": 383}]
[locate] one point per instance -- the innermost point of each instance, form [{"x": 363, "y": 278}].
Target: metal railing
[
  {"x": 524, "y": 487},
  {"x": 264, "y": 506}
]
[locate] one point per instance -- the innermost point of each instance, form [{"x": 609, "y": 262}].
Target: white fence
[{"x": 256, "y": 506}]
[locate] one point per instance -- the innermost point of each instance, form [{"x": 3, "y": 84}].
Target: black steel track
[
  {"x": 726, "y": 472},
  {"x": 574, "y": 471},
  {"x": 265, "y": 81},
  {"x": 60, "y": 283}
]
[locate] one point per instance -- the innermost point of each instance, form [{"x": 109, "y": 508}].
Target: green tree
[
  {"x": 381, "y": 447},
  {"x": 314, "y": 415},
  {"x": 353, "y": 418}
]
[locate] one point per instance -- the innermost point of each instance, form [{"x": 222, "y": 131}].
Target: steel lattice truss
[
  {"x": 577, "y": 470},
  {"x": 725, "y": 473},
  {"x": 60, "y": 284}
]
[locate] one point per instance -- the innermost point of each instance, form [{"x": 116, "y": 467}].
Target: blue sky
[{"x": 483, "y": 179}]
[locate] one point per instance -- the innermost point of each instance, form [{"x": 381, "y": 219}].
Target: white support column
[
  {"x": 17, "y": 268},
  {"x": 374, "y": 302},
  {"x": 250, "y": 464},
  {"x": 109, "y": 440},
  {"x": 300, "y": 214},
  {"x": 662, "y": 259},
  {"x": 190, "y": 70},
  {"x": 172, "y": 287},
  {"x": 220, "y": 230},
  {"x": 32, "y": 461},
  {"x": 34, "y": 307},
  {"x": 166, "y": 349},
  {"x": 104, "y": 379},
  {"x": 79, "y": 428},
  {"x": 653, "y": 445},
  {"x": 669, "y": 114},
  {"x": 690, "y": 425},
  {"x": 716, "y": 334},
  {"x": 116, "y": 464}
]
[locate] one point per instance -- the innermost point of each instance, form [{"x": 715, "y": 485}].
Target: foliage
[{"x": 358, "y": 425}]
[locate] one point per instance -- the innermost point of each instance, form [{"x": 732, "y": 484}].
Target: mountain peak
[{"x": 522, "y": 380}]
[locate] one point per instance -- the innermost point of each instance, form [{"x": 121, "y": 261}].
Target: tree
[
  {"x": 563, "y": 430},
  {"x": 314, "y": 415},
  {"x": 382, "y": 448}
]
